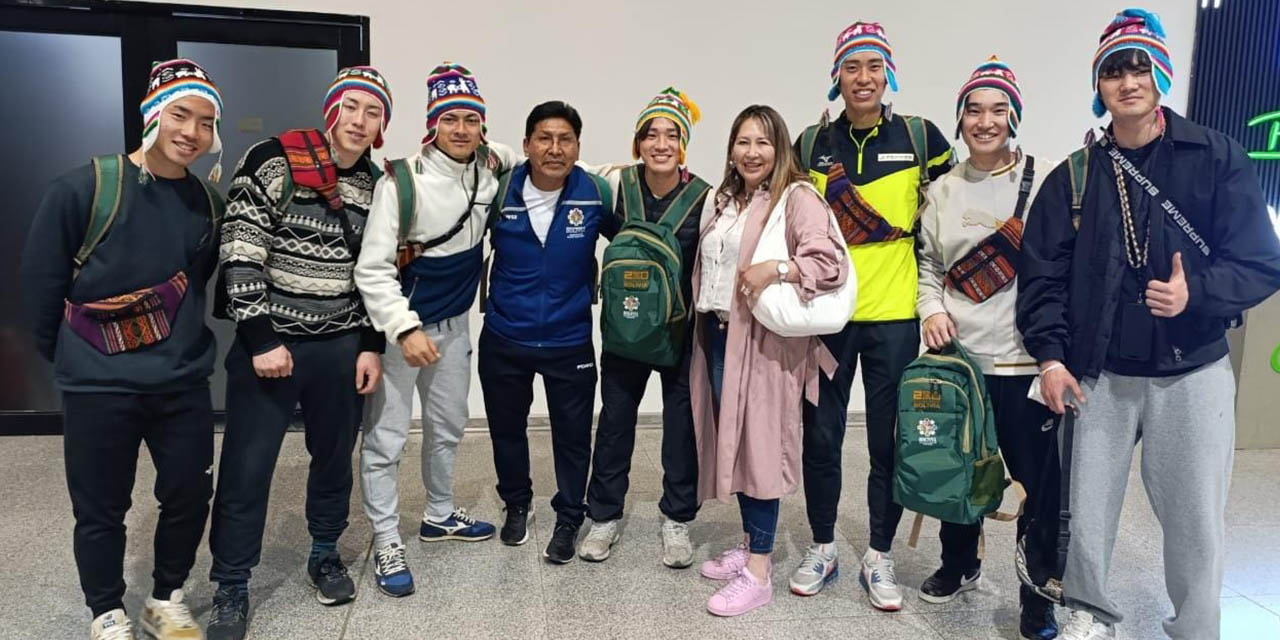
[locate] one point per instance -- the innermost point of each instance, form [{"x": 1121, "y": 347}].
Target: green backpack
[
  {"x": 947, "y": 464},
  {"x": 108, "y": 190},
  {"x": 644, "y": 315}
]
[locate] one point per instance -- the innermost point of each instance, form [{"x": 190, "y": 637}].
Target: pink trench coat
[{"x": 754, "y": 445}]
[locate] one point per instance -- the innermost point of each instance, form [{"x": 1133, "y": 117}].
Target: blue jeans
[{"x": 759, "y": 522}]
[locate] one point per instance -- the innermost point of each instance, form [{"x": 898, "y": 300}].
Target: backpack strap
[
  {"x": 1078, "y": 168},
  {"x": 1024, "y": 189},
  {"x": 680, "y": 208},
  {"x": 402, "y": 174},
  {"x": 108, "y": 186},
  {"x": 491, "y": 160},
  {"x": 807, "y": 140},
  {"x": 919, "y": 134},
  {"x": 217, "y": 206},
  {"x": 495, "y": 210},
  {"x": 602, "y": 189},
  {"x": 632, "y": 199}
]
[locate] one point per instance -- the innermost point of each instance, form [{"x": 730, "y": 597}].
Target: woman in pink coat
[{"x": 747, "y": 382}]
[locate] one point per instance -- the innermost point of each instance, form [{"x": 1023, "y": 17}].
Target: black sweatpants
[
  {"x": 101, "y": 436},
  {"x": 569, "y": 377},
  {"x": 258, "y": 414},
  {"x": 622, "y": 385},
  {"x": 886, "y": 348},
  {"x": 1029, "y": 446}
]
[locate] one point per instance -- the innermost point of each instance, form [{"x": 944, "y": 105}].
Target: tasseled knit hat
[
  {"x": 366, "y": 80},
  {"x": 862, "y": 36},
  {"x": 674, "y": 105},
  {"x": 993, "y": 74},
  {"x": 171, "y": 81},
  {"x": 452, "y": 88},
  {"x": 1134, "y": 29}
]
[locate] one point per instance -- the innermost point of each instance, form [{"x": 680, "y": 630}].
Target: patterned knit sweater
[{"x": 286, "y": 267}]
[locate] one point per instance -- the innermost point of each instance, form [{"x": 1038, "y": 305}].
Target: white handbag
[{"x": 779, "y": 307}]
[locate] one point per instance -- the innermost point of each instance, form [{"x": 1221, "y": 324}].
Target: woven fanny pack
[{"x": 992, "y": 264}]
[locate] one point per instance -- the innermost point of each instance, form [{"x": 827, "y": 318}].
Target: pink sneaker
[
  {"x": 727, "y": 565},
  {"x": 742, "y": 595}
]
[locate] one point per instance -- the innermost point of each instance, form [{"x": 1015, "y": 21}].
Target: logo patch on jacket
[
  {"x": 897, "y": 157},
  {"x": 928, "y": 431},
  {"x": 576, "y": 219}
]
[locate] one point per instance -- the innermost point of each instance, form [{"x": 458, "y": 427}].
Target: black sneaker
[
  {"x": 515, "y": 531},
  {"x": 944, "y": 586},
  {"x": 329, "y": 577},
  {"x": 563, "y": 543},
  {"x": 229, "y": 619},
  {"x": 1038, "y": 621}
]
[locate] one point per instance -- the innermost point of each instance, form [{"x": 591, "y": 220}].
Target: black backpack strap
[
  {"x": 1078, "y": 169},
  {"x": 1024, "y": 189}
]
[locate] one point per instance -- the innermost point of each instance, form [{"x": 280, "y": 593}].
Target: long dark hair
[{"x": 786, "y": 167}]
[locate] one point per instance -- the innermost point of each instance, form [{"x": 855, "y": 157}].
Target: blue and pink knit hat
[
  {"x": 1134, "y": 29},
  {"x": 993, "y": 74},
  {"x": 172, "y": 80},
  {"x": 452, "y": 88},
  {"x": 365, "y": 80},
  {"x": 862, "y": 36}
]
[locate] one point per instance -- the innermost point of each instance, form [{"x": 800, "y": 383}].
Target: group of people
[{"x": 1084, "y": 289}]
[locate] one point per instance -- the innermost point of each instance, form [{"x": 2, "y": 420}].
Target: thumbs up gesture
[{"x": 1168, "y": 299}]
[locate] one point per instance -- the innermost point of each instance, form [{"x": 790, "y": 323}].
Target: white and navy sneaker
[
  {"x": 112, "y": 625},
  {"x": 458, "y": 526},
  {"x": 391, "y": 572},
  {"x": 880, "y": 581},
  {"x": 819, "y": 568}
]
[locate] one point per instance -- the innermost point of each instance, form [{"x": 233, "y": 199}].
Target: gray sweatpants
[
  {"x": 443, "y": 387},
  {"x": 1187, "y": 427}
]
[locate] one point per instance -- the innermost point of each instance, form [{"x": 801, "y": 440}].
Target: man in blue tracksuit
[{"x": 545, "y": 224}]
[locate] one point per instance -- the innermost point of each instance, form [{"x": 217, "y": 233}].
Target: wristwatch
[{"x": 784, "y": 267}]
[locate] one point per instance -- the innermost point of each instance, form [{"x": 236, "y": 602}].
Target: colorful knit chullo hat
[
  {"x": 674, "y": 105},
  {"x": 1134, "y": 29},
  {"x": 452, "y": 88},
  {"x": 365, "y": 80},
  {"x": 170, "y": 81},
  {"x": 993, "y": 74},
  {"x": 862, "y": 36}
]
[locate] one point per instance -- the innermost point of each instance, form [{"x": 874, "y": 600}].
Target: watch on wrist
[{"x": 783, "y": 269}]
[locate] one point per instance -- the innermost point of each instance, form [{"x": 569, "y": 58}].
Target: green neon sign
[{"x": 1273, "y": 136}]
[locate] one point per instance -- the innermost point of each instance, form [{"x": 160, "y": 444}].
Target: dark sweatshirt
[{"x": 163, "y": 226}]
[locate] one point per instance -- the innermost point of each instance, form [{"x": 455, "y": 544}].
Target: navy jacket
[
  {"x": 1069, "y": 281},
  {"x": 541, "y": 296}
]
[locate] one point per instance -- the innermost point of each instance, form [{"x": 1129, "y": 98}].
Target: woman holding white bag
[{"x": 747, "y": 381}]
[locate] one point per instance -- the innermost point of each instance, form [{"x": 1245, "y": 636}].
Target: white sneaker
[
  {"x": 677, "y": 551},
  {"x": 818, "y": 569},
  {"x": 1083, "y": 626},
  {"x": 595, "y": 547},
  {"x": 112, "y": 625},
  {"x": 170, "y": 619},
  {"x": 880, "y": 581}
]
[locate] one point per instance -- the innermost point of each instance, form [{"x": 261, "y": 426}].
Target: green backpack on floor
[{"x": 947, "y": 463}]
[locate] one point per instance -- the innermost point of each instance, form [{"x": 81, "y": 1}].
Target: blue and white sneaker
[
  {"x": 819, "y": 568},
  {"x": 459, "y": 526},
  {"x": 391, "y": 572}
]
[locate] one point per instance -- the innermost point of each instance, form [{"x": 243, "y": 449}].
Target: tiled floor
[{"x": 487, "y": 590}]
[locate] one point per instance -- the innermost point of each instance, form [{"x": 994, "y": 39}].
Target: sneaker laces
[
  {"x": 391, "y": 560},
  {"x": 177, "y": 612},
  {"x": 813, "y": 559},
  {"x": 122, "y": 630},
  {"x": 1078, "y": 625},
  {"x": 462, "y": 516},
  {"x": 677, "y": 530},
  {"x": 601, "y": 533},
  {"x": 331, "y": 568},
  {"x": 740, "y": 584},
  {"x": 226, "y": 607},
  {"x": 882, "y": 571}
]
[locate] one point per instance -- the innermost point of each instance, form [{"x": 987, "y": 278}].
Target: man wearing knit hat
[
  {"x": 871, "y": 165},
  {"x": 419, "y": 283},
  {"x": 658, "y": 190},
  {"x": 969, "y": 239},
  {"x": 1139, "y": 252},
  {"x": 296, "y": 214},
  {"x": 123, "y": 322}
]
